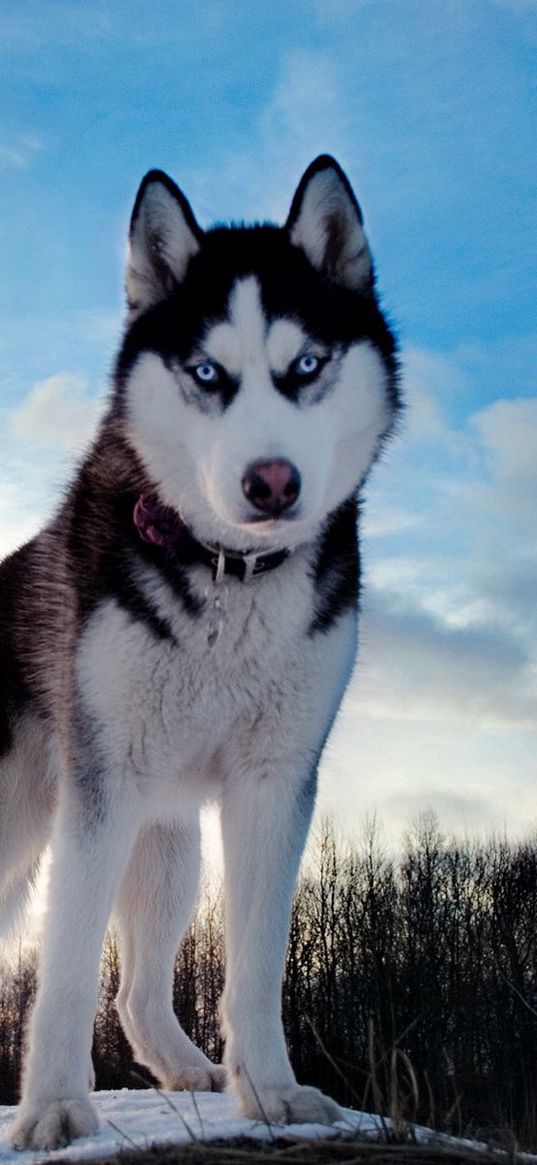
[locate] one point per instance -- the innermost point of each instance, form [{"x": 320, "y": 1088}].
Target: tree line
[{"x": 410, "y": 985}]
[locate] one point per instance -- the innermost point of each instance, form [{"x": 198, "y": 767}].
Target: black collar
[{"x": 161, "y": 526}]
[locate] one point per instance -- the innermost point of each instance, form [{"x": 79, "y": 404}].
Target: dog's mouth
[
  {"x": 269, "y": 521},
  {"x": 256, "y": 532}
]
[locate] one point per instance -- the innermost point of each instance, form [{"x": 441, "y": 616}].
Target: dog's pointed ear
[
  {"x": 163, "y": 237},
  {"x": 325, "y": 220}
]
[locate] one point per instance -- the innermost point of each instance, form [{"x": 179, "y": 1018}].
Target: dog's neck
[{"x": 161, "y": 526}]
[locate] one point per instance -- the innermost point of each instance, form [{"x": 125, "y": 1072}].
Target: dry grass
[{"x": 244, "y": 1151}]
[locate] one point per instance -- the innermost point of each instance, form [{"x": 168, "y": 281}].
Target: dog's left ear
[
  {"x": 163, "y": 238},
  {"x": 326, "y": 221}
]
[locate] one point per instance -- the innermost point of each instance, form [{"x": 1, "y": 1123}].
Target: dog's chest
[{"x": 175, "y": 701}]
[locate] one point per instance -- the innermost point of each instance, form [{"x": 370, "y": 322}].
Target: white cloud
[
  {"x": 442, "y": 710},
  {"x": 19, "y": 518},
  {"x": 39, "y": 442},
  {"x": 475, "y": 778},
  {"x": 416, "y": 667},
  {"x": 508, "y": 431},
  {"x": 429, "y": 378},
  {"x": 307, "y": 113},
  {"x": 306, "y": 105},
  {"x": 389, "y": 520},
  {"x": 59, "y": 411},
  {"x": 17, "y": 151}
]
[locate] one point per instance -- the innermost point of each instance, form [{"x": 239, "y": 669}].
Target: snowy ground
[{"x": 142, "y": 1118}]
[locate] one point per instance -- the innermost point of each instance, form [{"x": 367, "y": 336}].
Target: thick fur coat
[{"x": 184, "y": 630}]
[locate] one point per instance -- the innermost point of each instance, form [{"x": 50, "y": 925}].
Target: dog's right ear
[{"x": 163, "y": 237}]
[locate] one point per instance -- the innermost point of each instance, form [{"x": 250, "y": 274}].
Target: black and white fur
[{"x": 135, "y": 686}]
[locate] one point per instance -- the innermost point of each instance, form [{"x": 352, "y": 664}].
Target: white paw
[
  {"x": 289, "y": 1105},
  {"x": 209, "y": 1078},
  {"x": 52, "y": 1124}
]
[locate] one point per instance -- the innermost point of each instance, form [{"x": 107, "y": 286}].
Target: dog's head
[{"x": 257, "y": 377}]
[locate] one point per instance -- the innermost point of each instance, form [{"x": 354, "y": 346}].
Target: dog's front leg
[
  {"x": 91, "y": 847},
  {"x": 265, "y": 817}
]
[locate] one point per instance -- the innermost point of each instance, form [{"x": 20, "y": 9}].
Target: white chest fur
[{"x": 169, "y": 708}]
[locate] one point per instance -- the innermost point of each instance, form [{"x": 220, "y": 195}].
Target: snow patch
[{"x": 143, "y": 1118}]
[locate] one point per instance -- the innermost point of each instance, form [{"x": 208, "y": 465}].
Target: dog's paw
[
  {"x": 53, "y": 1124},
  {"x": 209, "y": 1078},
  {"x": 292, "y": 1104}
]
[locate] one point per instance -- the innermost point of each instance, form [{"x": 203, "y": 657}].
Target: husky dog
[{"x": 184, "y": 630}]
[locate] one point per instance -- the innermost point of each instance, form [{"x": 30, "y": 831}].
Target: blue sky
[{"x": 431, "y": 106}]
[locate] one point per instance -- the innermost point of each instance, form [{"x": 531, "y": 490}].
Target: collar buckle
[
  {"x": 219, "y": 566},
  {"x": 244, "y": 566},
  {"x": 252, "y": 566}
]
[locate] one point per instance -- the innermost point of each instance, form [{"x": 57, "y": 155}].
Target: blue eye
[
  {"x": 206, "y": 373},
  {"x": 307, "y": 365}
]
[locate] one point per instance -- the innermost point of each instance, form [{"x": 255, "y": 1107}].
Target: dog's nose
[{"x": 271, "y": 486}]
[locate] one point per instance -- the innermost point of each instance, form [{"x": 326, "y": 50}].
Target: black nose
[{"x": 271, "y": 486}]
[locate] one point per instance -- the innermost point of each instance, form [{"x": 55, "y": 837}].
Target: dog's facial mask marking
[{"x": 260, "y": 345}]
